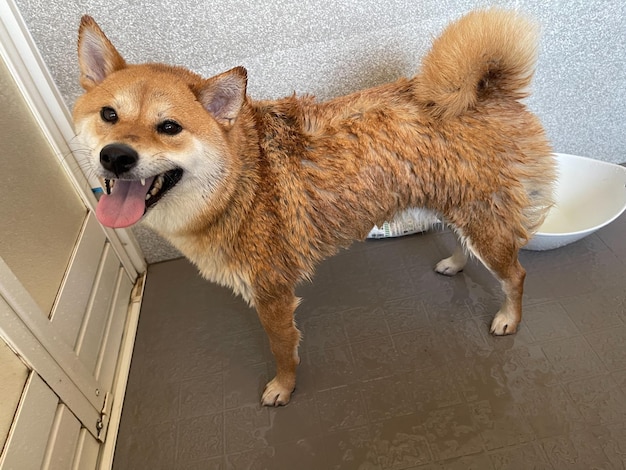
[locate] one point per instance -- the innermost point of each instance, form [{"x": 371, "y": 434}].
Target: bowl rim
[{"x": 597, "y": 226}]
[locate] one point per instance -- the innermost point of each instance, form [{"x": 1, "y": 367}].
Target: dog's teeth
[
  {"x": 143, "y": 181},
  {"x": 158, "y": 183}
]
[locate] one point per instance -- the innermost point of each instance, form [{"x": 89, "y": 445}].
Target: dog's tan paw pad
[
  {"x": 275, "y": 394},
  {"x": 503, "y": 324},
  {"x": 448, "y": 267}
]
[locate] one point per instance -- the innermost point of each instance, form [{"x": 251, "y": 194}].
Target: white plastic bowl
[{"x": 589, "y": 194}]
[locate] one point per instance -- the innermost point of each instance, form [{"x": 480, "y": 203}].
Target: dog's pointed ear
[
  {"x": 97, "y": 57},
  {"x": 224, "y": 94}
]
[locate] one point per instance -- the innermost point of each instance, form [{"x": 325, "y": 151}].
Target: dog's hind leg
[
  {"x": 276, "y": 312},
  {"x": 454, "y": 263},
  {"x": 499, "y": 254},
  {"x": 510, "y": 314}
]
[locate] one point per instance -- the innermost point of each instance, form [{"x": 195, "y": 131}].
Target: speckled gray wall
[{"x": 331, "y": 48}]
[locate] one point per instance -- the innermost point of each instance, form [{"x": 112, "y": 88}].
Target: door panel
[
  {"x": 46, "y": 435},
  {"x": 42, "y": 214},
  {"x": 13, "y": 375},
  {"x": 77, "y": 285},
  {"x": 104, "y": 371},
  {"x": 62, "y": 441},
  {"x": 93, "y": 327},
  {"x": 87, "y": 451},
  {"x": 26, "y": 446}
]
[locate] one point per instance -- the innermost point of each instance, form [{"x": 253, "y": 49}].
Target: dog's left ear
[
  {"x": 224, "y": 94},
  {"x": 97, "y": 57}
]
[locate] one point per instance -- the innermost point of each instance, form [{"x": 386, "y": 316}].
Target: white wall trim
[{"x": 118, "y": 390}]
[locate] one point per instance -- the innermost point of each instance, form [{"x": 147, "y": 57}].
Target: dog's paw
[
  {"x": 449, "y": 266},
  {"x": 503, "y": 324},
  {"x": 276, "y": 394}
]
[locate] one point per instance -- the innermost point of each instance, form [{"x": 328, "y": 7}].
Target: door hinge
[{"x": 102, "y": 423}]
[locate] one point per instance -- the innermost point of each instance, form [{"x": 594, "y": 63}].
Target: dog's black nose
[{"x": 118, "y": 158}]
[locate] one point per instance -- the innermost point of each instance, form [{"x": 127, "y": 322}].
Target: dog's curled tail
[{"x": 487, "y": 54}]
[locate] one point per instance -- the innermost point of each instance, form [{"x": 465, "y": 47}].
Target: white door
[{"x": 65, "y": 282}]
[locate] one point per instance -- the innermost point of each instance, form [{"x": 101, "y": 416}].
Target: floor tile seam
[
  {"x": 395, "y": 337},
  {"x": 526, "y": 439},
  {"x": 320, "y": 433},
  {"x": 592, "y": 330},
  {"x": 432, "y": 311},
  {"x": 306, "y": 359},
  {"x": 567, "y": 438},
  {"x": 602, "y": 331},
  {"x": 558, "y": 302},
  {"x": 324, "y": 431},
  {"x": 620, "y": 371},
  {"x": 194, "y": 378},
  {"x": 372, "y": 440},
  {"x": 350, "y": 341},
  {"x": 200, "y": 375},
  {"x": 535, "y": 441},
  {"x": 200, "y": 461},
  {"x": 565, "y": 384},
  {"x": 304, "y": 348},
  {"x": 417, "y": 297},
  {"x": 618, "y": 254},
  {"x": 577, "y": 420},
  {"x": 598, "y": 356},
  {"x": 227, "y": 409},
  {"x": 353, "y": 356},
  {"x": 557, "y": 379},
  {"x": 614, "y": 384},
  {"x": 449, "y": 460},
  {"x": 533, "y": 302},
  {"x": 571, "y": 266},
  {"x": 475, "y": 423},
  {"x": 547, "y": 342},
  {"x": 176, "y": 443},
  {"x": 373, "y": 420}
]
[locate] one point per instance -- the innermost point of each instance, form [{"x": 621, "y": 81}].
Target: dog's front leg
[{"x": 276, "y": 312}]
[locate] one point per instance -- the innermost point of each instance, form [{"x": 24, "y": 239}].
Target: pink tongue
[{"x": 125, "y": 205}]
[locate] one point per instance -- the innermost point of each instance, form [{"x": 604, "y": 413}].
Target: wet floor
[{"x": 398, "y": 369}]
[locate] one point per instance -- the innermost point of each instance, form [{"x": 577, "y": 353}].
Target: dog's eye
[
  {"x": 108, "y": 115},
  {"x": 169, "y": 128}
]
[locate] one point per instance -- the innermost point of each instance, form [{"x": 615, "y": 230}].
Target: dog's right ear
[
  {"x": 224, "y": 94},
  {"x": 97, "y": 57}
]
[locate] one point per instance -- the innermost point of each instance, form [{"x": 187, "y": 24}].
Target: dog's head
[{"x": 157, "y": 135}]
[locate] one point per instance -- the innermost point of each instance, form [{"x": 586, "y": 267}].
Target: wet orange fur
[{"x": 299, "y": 179}]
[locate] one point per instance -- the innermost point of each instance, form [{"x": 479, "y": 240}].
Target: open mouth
[
  {"x": 160, "y": 185},
  {"x": 126, "y": 201}
]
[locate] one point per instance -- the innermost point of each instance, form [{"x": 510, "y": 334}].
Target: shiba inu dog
[{"x": 255, "y": 193}]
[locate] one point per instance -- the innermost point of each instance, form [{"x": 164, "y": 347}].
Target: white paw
[
  {"x": 276, "y": 394},
  {"x": 503, "y": 324},
  {"x": 448, "y": 266}
]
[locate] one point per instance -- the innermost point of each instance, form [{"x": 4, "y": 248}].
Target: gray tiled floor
[{"x": 398, "y": 369}]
